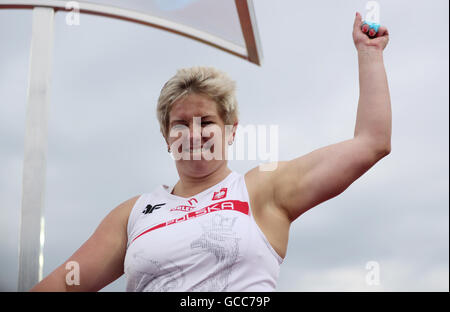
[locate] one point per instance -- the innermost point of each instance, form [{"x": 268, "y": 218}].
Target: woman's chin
[{"x": 198, "y": 166}]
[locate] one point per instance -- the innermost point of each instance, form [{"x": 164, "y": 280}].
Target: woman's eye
[
  {"x": 205, "y": 123},
  {"x": 178, "y": 126}
]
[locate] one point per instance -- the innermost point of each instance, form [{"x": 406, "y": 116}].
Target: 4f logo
[{"x": 150, "y": 208}]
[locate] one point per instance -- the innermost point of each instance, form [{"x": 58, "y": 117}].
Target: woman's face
[{"x": 198, "y": 137}]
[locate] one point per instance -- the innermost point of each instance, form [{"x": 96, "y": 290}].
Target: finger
[
  {"x": 381, "y": 41},
  {"x": 358, "y": 21},
  {"x": 375, "y": 42},
  {"x": 382, "y": 31},
  {"x": 365, "y": 28}
]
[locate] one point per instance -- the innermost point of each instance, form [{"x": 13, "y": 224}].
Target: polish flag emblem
[{"x": 221, "y": 194}]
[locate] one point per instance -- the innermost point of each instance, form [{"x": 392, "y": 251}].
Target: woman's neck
[{"x": 188, "y": 186}]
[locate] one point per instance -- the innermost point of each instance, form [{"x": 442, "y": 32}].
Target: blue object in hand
[{"x": 372, "y": 25}]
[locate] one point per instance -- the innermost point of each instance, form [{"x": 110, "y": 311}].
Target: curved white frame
[{"x": 252, "y": 51}]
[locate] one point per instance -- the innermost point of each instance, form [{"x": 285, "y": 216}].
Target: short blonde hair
[{"x": 202, "y": 80}]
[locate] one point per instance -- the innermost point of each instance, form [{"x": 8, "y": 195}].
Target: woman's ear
[
  {"x": 233, "y": 135},
  {"x": 167, "y": 143}
]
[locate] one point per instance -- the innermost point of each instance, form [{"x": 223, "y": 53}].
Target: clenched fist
[{"x": 362, "y": 40}]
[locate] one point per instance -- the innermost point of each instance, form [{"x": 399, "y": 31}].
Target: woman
[{"x": 215, "y": 229}]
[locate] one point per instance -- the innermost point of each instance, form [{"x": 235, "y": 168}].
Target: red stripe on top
[{"x": 235, "y": 205}]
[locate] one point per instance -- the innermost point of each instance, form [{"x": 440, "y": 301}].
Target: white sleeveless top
[{"x": 209, "y": 242}]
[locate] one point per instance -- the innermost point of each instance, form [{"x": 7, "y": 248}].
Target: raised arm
[
  {"x": 374, "y": 117},
  {"x": 100, "y": 258},
  {"x": 304, "y": 182}
]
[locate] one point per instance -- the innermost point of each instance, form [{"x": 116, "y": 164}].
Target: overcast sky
[{"x": 105, "y": 145}]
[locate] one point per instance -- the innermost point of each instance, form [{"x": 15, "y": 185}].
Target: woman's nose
[{"x": 195, "y": 134}]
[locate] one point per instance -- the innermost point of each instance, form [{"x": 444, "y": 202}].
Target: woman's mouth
[{"x": 204, "y": 148}]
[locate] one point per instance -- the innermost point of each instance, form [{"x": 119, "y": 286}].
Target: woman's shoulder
[
  {"x": 123, "y": 210},
  {"x": 128, "y": 204}
]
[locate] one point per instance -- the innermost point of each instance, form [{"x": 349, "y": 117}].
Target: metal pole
[{"x": 31, "y": 259}]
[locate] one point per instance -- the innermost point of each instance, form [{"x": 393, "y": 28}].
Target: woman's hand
[{"x": 362, "y": 40}]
